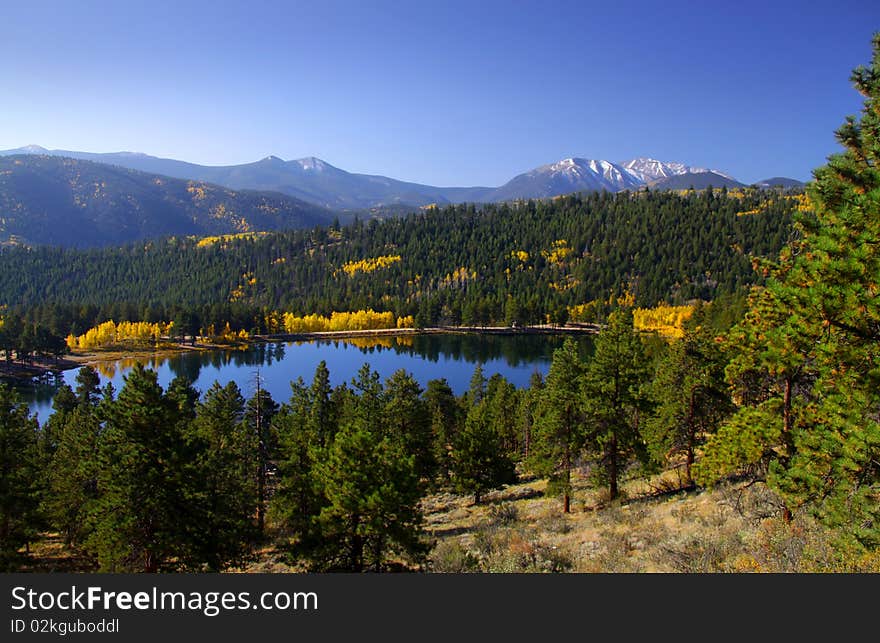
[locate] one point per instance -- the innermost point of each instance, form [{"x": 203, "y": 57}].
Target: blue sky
[{"x": 447, "y": 93}]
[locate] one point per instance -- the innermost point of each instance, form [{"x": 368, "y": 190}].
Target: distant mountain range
[
  {"x": 317, "y": 182},
  {"x": 780, "y": 182},
  {"x": 71, "y": 202},
  {"x": 697, "y": 181}
]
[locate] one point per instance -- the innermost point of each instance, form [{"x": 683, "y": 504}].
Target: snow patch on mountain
[{"x": 649, "y": 170}]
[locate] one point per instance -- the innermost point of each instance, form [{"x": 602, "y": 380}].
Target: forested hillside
[
  {"x": 502, "y": 263},
  {"x": 785, "y": 400},
  {"x": 68, "y": 202}
]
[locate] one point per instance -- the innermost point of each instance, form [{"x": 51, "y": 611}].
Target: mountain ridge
[
  {"x": 62, "y": 201},
  {"x": 316, "y": 181}
]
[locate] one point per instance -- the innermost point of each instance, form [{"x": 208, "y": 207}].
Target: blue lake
[{"x": 426, "y": 357}]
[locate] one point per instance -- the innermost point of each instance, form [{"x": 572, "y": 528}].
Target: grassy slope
[{"x": 733, "y": 528}]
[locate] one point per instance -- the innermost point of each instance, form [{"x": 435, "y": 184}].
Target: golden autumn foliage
[
  {"x": 111, "y": 334},
  {"x": 457, "y": 277},
  {"x": 566, "y": 283},
  {"x": 206, "y": 242},
  {"x": 238, "y": 293},
  {"x": 226, "y": 335},
  {"x": 274, "y": 322},
  {"x": 558, "y": 253},
  {"x": 196, "y": 189},
  {"x": 369, "y": 265},
  {"x": 584, "y": 312},
  {"x": 384, "y": 341},
  {"x": 803, "y": 202},
  {"x": 589, "y": 312},
  {"x": 759, "y": 210},
  {"x": 357, "y": 320},
  {"x": 666, "y": 320}
]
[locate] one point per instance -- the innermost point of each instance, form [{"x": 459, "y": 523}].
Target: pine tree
[
  {"x": 527, "y": 412},
  {"x": 559, "y": 432},
  {"x": 477, "y": 389},
  {"x": 322, "y": 419},
  {"x": 368, "y": 400},
  {"x": 834, "y": 470},
  {"x": 73, "y": 477},
  {"x": 445, "y": 413},
  {"x": 369, "y": 486},
  {"x": 63, "y": 404},
  {"x": 615, "y": 399},
  {"x": 815, "y": 328},
  {"x": 407, "y": 421},
  {"x": 502, "y": 400},
  {"x": 479, "y": 461},
  {"x": 770, "y": 374},
  {"x": 690, "y": 395},
  {"x": 19, "y": 478},
  {"x": 73, "y": 474},
  {"x": 372, "y": 493},
  {"x": 259, "y": 413},
  {"x": 88, "y": 386},
  {"x": 298, "y": 499},
  {"x": 222, "y": 490},
  {"x": 137, "y": 516}
]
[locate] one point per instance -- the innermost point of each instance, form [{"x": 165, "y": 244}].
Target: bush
[
  {"x": 450, "y": 557},
  {"x": 503, "y": 514}
]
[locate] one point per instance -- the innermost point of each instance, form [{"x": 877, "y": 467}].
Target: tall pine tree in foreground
[
  {"x": 445, "y": 415},
  {"x": 137, "y": 516},
  {"x": 259, "y": 413},
  {"x": 370, "y": 485},
  {"x": 298, "y": 498},
  {"x": 835, "y": 468},
  {"x": 73, "y": 475},
  {"x": 691, "y": 397},
  {"x": 558, "y": 424},
  {"x": 825, "y": 440},
  {"x": 222, "y": 490},
  {"x": 479, "y": 462},
  {"x": 19, "y": 477},
  {"x": 615, "y": 398}
]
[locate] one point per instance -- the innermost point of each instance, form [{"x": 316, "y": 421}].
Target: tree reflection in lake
[{"x": 450, "y": 356}]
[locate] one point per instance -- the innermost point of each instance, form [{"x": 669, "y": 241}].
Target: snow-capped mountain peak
[
  {"x": 648, "y": 169},
  {"x": 312, "y": 164},
  {"x": 607, "y": 175},
  {"x": 33, "y": 149}
]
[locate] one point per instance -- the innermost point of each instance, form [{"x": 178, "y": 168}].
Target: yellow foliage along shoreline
[
  {"x": 109, "y": 333},
  {"x": 666, "y": 320}
]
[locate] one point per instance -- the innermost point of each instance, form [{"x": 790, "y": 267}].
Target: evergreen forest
[
  {"x": 524, "y": 262},
  {"x": 784, "y": 395}
]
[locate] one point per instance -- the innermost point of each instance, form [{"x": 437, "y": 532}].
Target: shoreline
[
  {"x": 541, "y": 329},
  {"x": 44, "y": 367}
]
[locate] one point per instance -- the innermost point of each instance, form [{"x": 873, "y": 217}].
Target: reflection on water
[
  {"x": 39, "y": 391},
  {"x": 427, "y": 357}
]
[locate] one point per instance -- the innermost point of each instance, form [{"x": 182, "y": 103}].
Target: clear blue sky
[{"x": 447, "y": 93}]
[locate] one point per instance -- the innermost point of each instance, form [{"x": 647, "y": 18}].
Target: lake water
[{"x": 427, "y": 357}]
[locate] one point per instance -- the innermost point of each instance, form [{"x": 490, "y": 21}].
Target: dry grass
[
  {"x": 735, "y": 527},
  {"x": 732, "y": 528},
  {"x": 49, "y": 554}
]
